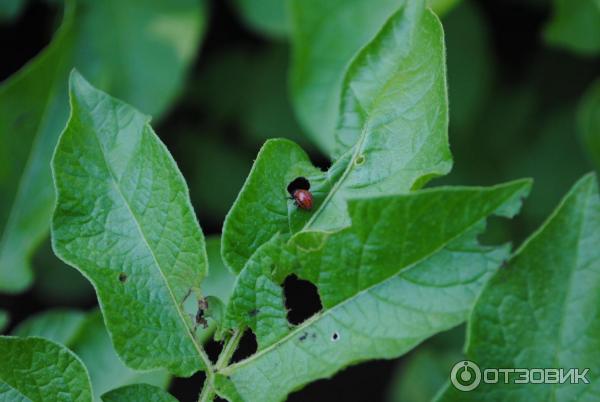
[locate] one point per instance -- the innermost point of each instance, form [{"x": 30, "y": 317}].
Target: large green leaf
[
  {"x": 124, "y": 219},
  {"x": 589, "y": 122},
  {"x": 409, "y": 266},
  {"x": 541, "y": 310},
  {"x": 138, "y": 392},
  {"x": 393, "y": 132},
  {"x": 141, "y": 58},
  {"x": 38, "y": 370},
  {"x": 325, "y": 37},
  {"x": 575, "y": 25},
  {"x": 85, "y": 335}
]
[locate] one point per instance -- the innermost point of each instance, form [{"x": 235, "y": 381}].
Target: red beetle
[{"x": 303, "y": 199}]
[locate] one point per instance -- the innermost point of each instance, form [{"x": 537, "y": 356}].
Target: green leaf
[
  {"x": 394, "y": 135},
  {"x": 575, "y": 25},
  {"x": 124, "y": 219},
  {"x": 394, "y": 278},
  {"x": 86, "y": 336},
  {"x": 38, "y": 370},
  {"x": 325, "y": 37},
  {"x": 147, "y": 42},
  {"x": 268, "y": 17},
  {"x": 60, "y": 326},
  {"x": 138, "y": 392},
  {"x": 589, "y": 122},
  {"x": 541, "y": 311},
  {"x": 4, "y": 320}
]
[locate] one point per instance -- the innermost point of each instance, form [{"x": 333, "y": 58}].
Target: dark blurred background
[{"x": 513, "y": 102}]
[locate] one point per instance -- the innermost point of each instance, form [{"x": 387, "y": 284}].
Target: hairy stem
[
  {"x": 208, "y": 390},
  {"x": 229, "y": 349}
]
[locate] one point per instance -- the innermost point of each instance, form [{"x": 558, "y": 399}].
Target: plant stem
[
  {"x": 208, "y": 391},
  {"x": 228, "y": 350}
]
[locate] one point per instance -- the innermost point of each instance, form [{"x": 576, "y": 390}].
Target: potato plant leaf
[
  {"x": 394, "y": 278},
  {"x": 124, "y": 219},
  {"x": 38, "y": 370},
  {"x": 160, "y": 36},
  {"x": 393, "y": 136},
  {"x": 138, "y": 392},
  {"x": 541, "y": 311}
]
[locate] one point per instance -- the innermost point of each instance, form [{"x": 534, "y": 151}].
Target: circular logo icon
[{"x": 465, "y": 376}]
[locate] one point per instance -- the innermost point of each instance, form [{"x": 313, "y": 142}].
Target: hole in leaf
[
  {"x": 187, "y": 389},
  {"x": 246, "y": 348},
  {"x": 299, "y": 183},
  {"x": 301, "y": 299},
  {"x": 122, "y": 277},
  {"x": 360, "y": 159},
  {"x": 335, "y": 337}
]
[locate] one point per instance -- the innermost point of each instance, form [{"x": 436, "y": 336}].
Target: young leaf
[
  {"x": 408, "y": 267},
  {"x": 575, "y": 25},
  {"x": 86, "y": 336},
  {"x": 589, "y": 122},
  {"x": 124, "y": 219},
  {"x": 138, "y": 392},
  {"x": 38, "y": 370},
  {"x": 541, "y": 311},
  {"x": 159, "y": 36},
  {"x": 325, "y": 37},
  {"x": 394, "y": 135}
]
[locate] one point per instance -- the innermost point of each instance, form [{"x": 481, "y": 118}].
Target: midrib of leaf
[
  {"x": 41, "y": 123},
  {"x": 364, "y": 132},
  {"x": 355, "y": 153},
  {"x": 561, "y": 324},
  {"x": 231, "y": 368},
  {"x": 115, "y": 184}
]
